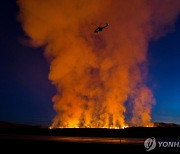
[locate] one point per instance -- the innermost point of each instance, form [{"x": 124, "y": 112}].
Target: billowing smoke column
[{"x": 96, "y": 74}]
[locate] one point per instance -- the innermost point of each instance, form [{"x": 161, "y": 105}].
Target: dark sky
[
  {"x": 164, "y": 70},
  {"x": 26, "y": 92}
]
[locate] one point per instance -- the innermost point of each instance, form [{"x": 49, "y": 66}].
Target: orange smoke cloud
[{"x": 95, "y": 74}]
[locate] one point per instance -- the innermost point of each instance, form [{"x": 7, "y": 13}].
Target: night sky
[{"x": 26, "y": 92}]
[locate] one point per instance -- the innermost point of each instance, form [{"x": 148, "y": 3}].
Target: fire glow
[
  {"x": 97, "y": 74},
  {"x": 123, "y": 127}
]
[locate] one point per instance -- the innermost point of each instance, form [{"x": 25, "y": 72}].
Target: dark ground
[{"x": 32, "y": 138}]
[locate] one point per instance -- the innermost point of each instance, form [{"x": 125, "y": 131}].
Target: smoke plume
[{"x": 96, "y": 74}]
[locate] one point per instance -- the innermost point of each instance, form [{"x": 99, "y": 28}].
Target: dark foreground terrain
[{"x": 132, "y": 139}]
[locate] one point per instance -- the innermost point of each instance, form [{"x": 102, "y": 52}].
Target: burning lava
[{"x": 97, "y": 75}]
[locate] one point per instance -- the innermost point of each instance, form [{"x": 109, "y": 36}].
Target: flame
[
  {"x": 122, "y": 127},
  {"x": 96, "y": 74}
]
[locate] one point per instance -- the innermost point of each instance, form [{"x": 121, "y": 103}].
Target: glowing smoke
[{"x": 95, "y": 74}]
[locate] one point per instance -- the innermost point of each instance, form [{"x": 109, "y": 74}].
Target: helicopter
[{"x": 100, "y": 28}]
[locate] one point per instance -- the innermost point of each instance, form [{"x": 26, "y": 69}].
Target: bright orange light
[{"x": 97, "y": 73}]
